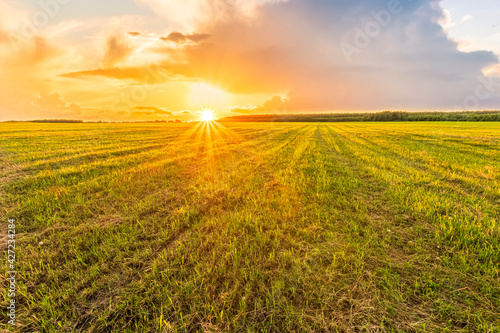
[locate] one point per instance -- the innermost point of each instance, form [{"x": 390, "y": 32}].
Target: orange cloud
[
  {"x": 144, "y": 74},
  {"x": 274, "y": 105},
  {"x": 3, "y": 37},
  {"x": 239, "y": 72},
  {"x": 54, "y": 101},
  {"x": 243, "y": 110},
  {"x": 178, "y": 37},
  {"x": 117, "y": 50},
  {"x": 154, "y": 110},
  {"x": 493, "y": 70}
]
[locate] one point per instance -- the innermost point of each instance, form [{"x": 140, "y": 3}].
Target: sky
[{"x": 135, "y": 60}]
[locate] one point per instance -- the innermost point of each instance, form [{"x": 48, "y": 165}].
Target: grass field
[{"x": 269, "y": 227}]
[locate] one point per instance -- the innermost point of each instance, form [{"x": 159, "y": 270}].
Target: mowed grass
[{"x": 245, "y": 227}]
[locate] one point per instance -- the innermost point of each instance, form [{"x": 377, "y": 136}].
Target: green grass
[{"x": 269, "y": 227}]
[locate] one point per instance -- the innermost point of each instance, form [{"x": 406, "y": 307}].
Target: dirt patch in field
[
  {"x": 106, "y": 221},
  {"x": 4, "y": 239}
]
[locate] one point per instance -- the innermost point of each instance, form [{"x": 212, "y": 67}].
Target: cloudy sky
[{"x": 171, "y": 59}]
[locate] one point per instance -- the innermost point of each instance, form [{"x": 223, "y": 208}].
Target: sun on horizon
[{"x": 207, "y": 116}]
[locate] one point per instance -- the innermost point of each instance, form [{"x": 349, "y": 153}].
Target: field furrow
[{"x": 269, "y": 227}]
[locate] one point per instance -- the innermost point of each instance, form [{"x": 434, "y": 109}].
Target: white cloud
[
  {"x": 446, "y": 21},
  {"x": 466, "y": 18}
]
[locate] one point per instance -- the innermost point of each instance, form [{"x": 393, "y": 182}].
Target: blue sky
[{"x": 481, "y": 26}]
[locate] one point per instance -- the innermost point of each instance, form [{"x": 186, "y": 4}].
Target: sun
[{"x": 207, "y": 116}]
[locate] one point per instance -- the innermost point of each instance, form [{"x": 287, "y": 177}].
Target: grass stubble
[{"x": 269, "y": 227}]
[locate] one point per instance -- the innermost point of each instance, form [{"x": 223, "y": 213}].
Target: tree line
[
  {"x": 56, "y": 121},
  {"x": 366, "y": 117}
]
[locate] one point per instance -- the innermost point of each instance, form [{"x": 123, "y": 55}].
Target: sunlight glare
[
  {"x": 204, "y": 95},
  {"x": 207, "y": 116}
]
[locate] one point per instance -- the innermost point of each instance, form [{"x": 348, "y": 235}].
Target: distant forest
[
  {"x": 380, "y": 116},
  {"x": 56, "y": 121},
  {"x": 331, "y": 117},
  {"x": 74, "y": 121}
]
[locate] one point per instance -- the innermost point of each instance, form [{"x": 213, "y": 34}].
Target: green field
[{"x": 244, "y": 227}]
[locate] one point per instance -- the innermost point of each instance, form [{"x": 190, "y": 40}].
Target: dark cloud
[
  {"x": 175, "y": 37},
  {"x": 179, "y": 38},
  {"x": 296, "y": 46},
  {"x": 133, "y": 33},
  {"x": 406, "y": 61},
  {"x": 197, "y": 37}
]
